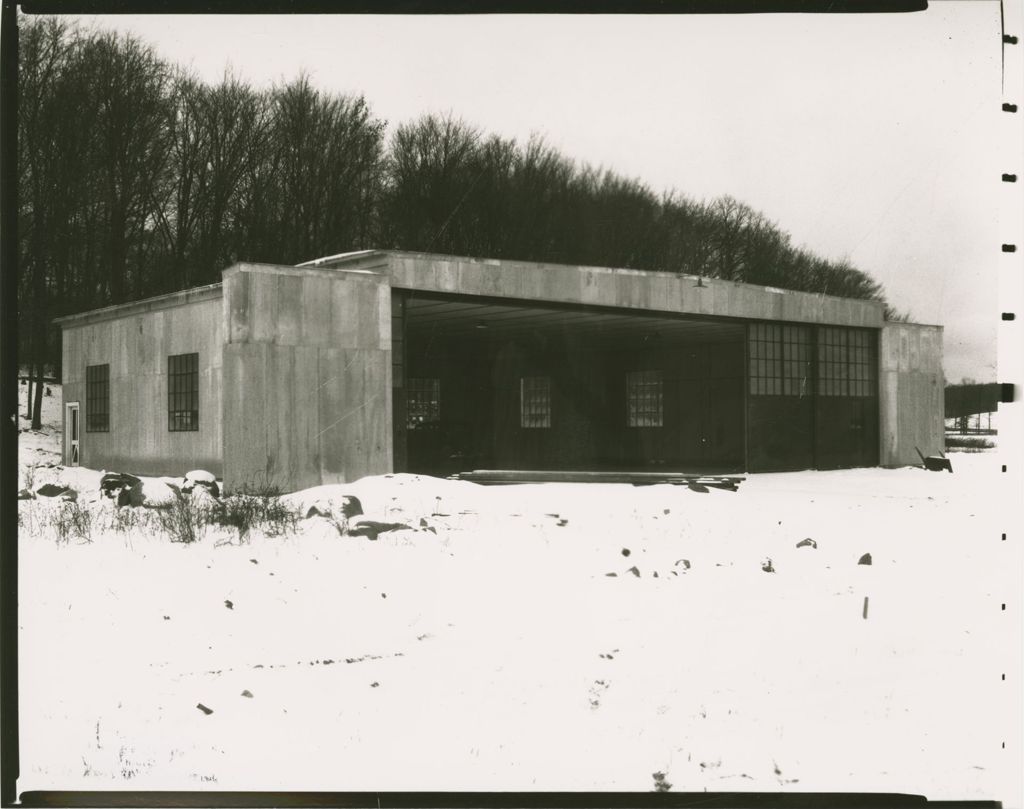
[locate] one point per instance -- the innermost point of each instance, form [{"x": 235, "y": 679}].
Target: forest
[{"x": 135, "y": 179}]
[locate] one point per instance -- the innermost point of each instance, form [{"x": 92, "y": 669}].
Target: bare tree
[{"x": 130, "y": 87}]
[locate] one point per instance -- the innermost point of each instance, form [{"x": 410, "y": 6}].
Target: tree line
[{"x": 136, "y": 179}]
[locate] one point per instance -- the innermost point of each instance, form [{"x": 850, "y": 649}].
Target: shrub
[
  {"x": 967, "y": 442},
  {"x": 256, "y": 507},
  {"x": 28, "y": 475},
  {"x": 71, "y": 520},
  {"x": 183, "y": 521}
]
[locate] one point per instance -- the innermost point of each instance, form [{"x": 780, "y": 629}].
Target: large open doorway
[{"x": 483, "y": 383}]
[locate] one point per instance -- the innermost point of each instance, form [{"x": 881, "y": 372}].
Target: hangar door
[{"x": 813, "y": 397}]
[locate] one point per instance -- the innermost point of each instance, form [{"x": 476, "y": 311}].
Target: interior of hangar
[{"x": 484, "y": 383}]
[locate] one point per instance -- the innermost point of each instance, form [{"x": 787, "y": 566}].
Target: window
[
  {"x": 423, "y": 402},
  {"x": 780, "y": 360},
  {"x": 183, "y": 393},
  {"x": 97, "y": 399},
  {"x": 535, "y": 401},
  {"x": 847, "y": 362},
  {"x": 644, "y": 399}
]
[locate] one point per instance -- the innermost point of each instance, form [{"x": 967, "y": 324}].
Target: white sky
[{"x": 869, "y": 137}]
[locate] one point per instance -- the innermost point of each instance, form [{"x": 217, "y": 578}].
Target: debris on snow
[
  {"x": 204, "y": 709},
  {"x": 807, "y": 543},
  {"x": 767, "y": 567},
  {"x": 247, "y": 693},
  {"x": 935, "y": 463}
]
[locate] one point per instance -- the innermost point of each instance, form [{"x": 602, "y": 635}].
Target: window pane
[
  {"x": 644, "y": 399},
  {"x": 423, "y": 402},
  {"x": 183, "y": 392},
  {"x": 778, "y": 359},
  {"x": 97, "y": 398},
  {"x": 535, "y": 402}
]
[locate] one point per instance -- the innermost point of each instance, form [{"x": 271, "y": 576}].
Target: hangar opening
[{"x": 483, "y": 383}]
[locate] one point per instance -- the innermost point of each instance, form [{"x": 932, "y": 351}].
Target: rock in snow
[
  {"x": 321, "y": 508},
  {"x": 200, "y": 479},
  {"x": 152, "y": 494},
  {"x": 350, "y": 506},
  {"x": 203, "y": 497},
  {"x": 372, "y": 528},
  {"x": 865, "y": 559},
  {"x": 807, "y": 543},
  {"x": 53, "y": 490},
  {"x": 112, "y": 484}
]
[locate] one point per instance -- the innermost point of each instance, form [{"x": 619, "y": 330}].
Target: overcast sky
[{"x": 867, "y": 137}]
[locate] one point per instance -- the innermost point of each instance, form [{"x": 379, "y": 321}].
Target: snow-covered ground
[{"x": 491, "y": 648}]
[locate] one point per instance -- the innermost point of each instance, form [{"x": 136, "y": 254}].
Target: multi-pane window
[
  {"x": 780, "y": 360},
  {"x": 423, "y": 402},
  {"x": 183, "y": 392},
  {"x": 644, "y": 399},
  {"x": 97, "y": 398},
  {"x": 535, "y": 401},
  {"x": 847, "y": 363}
]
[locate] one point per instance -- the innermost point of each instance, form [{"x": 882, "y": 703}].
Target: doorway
[{"x": 72, "y": 427}]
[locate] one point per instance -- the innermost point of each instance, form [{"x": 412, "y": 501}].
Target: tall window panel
[
  {"x": 644, "y": 399},
  {"x": 97, "y": 399},
  {"x": 535, "y": 401},
  {"x": 423, "y": 402},
  {"x": 847, "y": 362},
  {"x": 780, "y": 360},
  {"x": 183, "y": 393}
]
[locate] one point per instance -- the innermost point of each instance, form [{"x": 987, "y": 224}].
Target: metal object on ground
[{"x": 491, "y": 477}]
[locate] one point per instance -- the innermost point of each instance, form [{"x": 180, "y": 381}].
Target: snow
[{"x": 487, "y": 648}]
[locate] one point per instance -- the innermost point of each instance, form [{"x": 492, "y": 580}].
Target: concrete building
[{"x": 378, "y": 361}]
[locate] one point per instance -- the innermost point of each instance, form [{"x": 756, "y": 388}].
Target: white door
[{"x": 72, "y": 426}]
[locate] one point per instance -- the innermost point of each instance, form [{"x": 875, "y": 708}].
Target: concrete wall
[
  {"x": 136, "y": 341},
  {"x": 307, "y": 376},
  {"x": 630, "y": 289},
  {"x": 911, "y": 391}
]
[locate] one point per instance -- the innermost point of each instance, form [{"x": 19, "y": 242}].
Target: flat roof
[
  {"x": 628, "y": 289},
  {"x": 152, "y": 304},
  {"x": 360, "y": 256}
]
